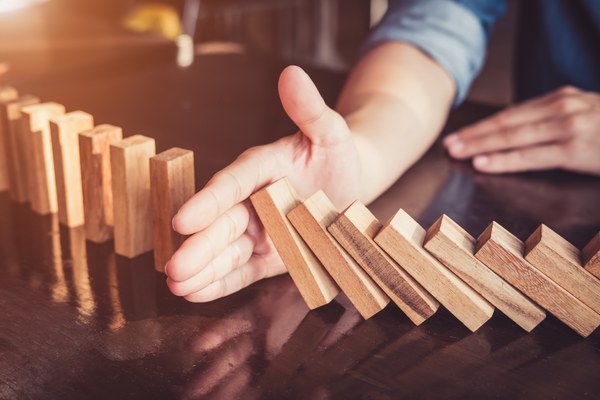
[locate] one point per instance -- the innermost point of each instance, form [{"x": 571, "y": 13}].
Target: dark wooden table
[{"x": 79, "y": 322}]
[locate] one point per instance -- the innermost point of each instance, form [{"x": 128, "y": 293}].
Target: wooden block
[
  {"x": 272, "y": 204},
  {"x": 96, "y": 180},
  {"x": 64, "y": 130},
  {"x": 16, "y": 145},
  {"x": 402, "y": 238},
  {"x": 503, "y": 253},
  {"x": 355, "y": 228},
  {"x": 591, "y": 256},
  {"x": 41, "y": 179},
  {"x": 7, "y": 93},
  {"x": 455, "y": 248},
  {"x": 561, "y": 262},
  {"x": 172, "y": 184},
  {"x": 311, "y": 219},
  {"x": 129, "y": 164}
]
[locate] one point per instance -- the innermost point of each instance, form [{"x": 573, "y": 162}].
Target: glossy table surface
[{"x": 79, "y": 322}]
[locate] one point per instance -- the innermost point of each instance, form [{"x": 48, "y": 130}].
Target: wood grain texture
[
  {"x": 7, "y": 93},
  {"x": 455, "y": 248},
  {"x": 402, "y": 238},
  {"x": 311, "y": 219},
  {"x": 130, "y": 169},
  {"x": 272, "y": 205},
  {"x": 503, "y": 253},
  {"x": 64, "y": 131},
  {"x": 96, "y": 181},
  {"x": 41, "y": 179},
  {"x": 355, "y": 228},
  {"x": 591, "y": 256},
  {"x": 562, "y": 262},
  {"x": 172, "y": 184},
  {"x": 16, "y": 146}
]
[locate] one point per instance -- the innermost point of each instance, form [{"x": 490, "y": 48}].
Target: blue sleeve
[{"x": 452, "y": 32}]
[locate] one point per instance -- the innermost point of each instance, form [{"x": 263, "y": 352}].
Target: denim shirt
[{"x": 558, "y": 41}]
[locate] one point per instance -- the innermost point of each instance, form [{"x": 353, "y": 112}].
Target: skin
[
  {"x": 391, "y": 110},
  {"x": 558, "y": 130}
]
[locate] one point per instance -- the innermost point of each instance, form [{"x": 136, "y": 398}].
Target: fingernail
[
  {"x": 451, "y": 139},
  {"x": 481, "y": 161}
]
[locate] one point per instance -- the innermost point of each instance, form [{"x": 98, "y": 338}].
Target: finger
[
  {"x": 252, "y": 170},
  {"x": 526, "y": 159},
  {"x": 252, "y": 271},
  {"x": 203, "y": 247},
  {"x": 563, "y": 101},
  {"x": 305, "y": 106},
  {"x": 521, "y": 136},
  {"x": 236, "y": 254}
]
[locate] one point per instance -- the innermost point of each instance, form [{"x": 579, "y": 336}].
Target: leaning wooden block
[
  {"x": 355, "y": 228},
  {"x": 96, "y": 181},
  {"x": 16, "y": 145},
  {"x": 561, "y": 262},
  {"x": 41, "y": 180},
  {"x": 455, "y": 248},
  {"x": 503, "y": 253},
  {"x": 272, "y": 204},
  {"x": 402, "y": 238},
  {"x": 311, "y": 219},
  {"x": 591, "y": 256},
  {"x": 7, "y": 93},
  {"x": 129, "y": 164},
  {"x": 64, "y": 130},
  {"x": 172, "y": 184}
]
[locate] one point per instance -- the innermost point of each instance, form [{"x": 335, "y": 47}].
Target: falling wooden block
[
  {"x": 7, "y": 93},
  {"x": 172, "y": 184},
  {"x": 311, "y": 219},
  {"x": 503, "y": 253},
  {"x": 129, "y": 164},
  {"x": 16, "y": 145},
  {"x": 561, "y": 262},
  {"x": 41, "y": 180},
  {"x": 355, "y": 228},
  {"x": 591, "y": 256},
  {"x": 96, "y": 181},
  {"x": 64, "y": 130},
  {"x": 455, "y": 248},
  {"x": 272, "y": 204},
  {"x": 402, "y": 238}
]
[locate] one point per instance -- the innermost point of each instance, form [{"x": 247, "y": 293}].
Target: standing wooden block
[
  {"x": 503, "y": 253},
  {"x": 455, "y": 248},
  {"x": 311, "y": 219},
  {"x": 96, "y": 181},
  {"x": 355, "y": 228},
  {"x": 129, "y": 164},
  {"x": 591, "y": 256},
  {"x": 402, "y": 238},
  {"x": 41, "y": 179},
  {"x": 272, "y": 204},
  {"x": 16, "y": 145},
  {"x": 7, "y": 93},
  {"x": 64, "y": 130},
  {"x": 172, "y": 184},
  {"x": 561, "y": 262}
]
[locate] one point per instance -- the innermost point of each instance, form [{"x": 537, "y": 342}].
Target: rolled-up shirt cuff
[{"x": 448, "y": 32}]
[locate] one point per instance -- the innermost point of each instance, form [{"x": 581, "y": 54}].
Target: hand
[
  {"x": 558, "y": 130},
  {"x": 229, "y": 248}
]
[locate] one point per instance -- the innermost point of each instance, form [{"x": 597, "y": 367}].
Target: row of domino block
[
  {"x": 325, "y": 250},
  {"x": 61, "y": 163}
]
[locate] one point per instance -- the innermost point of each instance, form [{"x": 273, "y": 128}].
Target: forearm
[{"x": 395, "y": 102}]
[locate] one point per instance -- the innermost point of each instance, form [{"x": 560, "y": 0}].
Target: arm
[{"x": 391, "y": 110}]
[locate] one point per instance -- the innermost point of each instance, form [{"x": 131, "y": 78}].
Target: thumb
[{"x": 305, "y": 106}]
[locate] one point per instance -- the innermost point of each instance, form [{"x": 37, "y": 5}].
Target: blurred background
[{"x": 36, "y": 35}]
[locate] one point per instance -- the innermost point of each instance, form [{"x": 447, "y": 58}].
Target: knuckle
[
  {"x": 571, "y": 123},
  {"x": 567, "y": 90}
]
